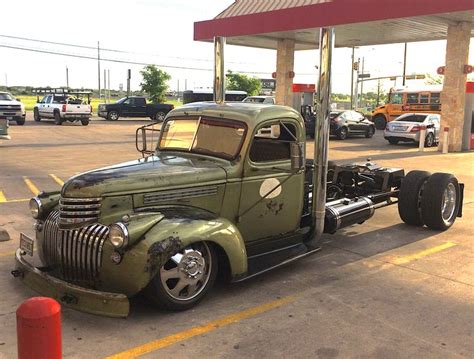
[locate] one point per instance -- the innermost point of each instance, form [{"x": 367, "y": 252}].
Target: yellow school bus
[{"x": 405, "y": 100}]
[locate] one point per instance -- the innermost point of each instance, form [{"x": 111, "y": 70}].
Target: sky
[{"x": 161, "y": 32}]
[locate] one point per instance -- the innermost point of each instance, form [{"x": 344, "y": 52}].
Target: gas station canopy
[{"x": 357, "y": 22}]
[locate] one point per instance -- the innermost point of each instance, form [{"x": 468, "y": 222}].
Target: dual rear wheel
[{"x": 429, "y": 199}]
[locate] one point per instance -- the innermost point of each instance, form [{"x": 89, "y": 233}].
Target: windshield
[
  {"x": 6, "y": 97},
  {"x": 254, "y": 99},
  {"x": 122, "y": 100},
  {"x": 220, "y": 138},
  {"x": 412, "y": 118}
]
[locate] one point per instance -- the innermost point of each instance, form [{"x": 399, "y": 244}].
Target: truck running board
[{"x": 262, "y": 263}]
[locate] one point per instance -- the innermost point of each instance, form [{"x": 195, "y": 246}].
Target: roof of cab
[{"x": 250, "y": 113}]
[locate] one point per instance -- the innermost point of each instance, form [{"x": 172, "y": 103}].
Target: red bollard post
[{"x": 38, "y": 323}]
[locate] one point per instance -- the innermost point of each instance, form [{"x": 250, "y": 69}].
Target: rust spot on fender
[{"x": 160, "y": 252}]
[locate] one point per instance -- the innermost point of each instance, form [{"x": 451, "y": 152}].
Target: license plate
[
  {"x": 399, "y": 128},
  {"x": 26, "y": 244}
]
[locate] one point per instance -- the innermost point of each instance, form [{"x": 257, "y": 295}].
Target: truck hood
[
  {"x": 14, "y": 103},
  {"x": 161, "y": 172}
]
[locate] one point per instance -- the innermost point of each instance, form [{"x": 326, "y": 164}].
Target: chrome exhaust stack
[
  {"x": 321, "y": 137},
  {"x": 219, "y": 71}
]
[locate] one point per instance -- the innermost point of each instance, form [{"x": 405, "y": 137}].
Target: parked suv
[
  {"x": 406, "y": 128},
  {"x": 11, "y": 109},
  {"x": 346, "y": 123},
  {"x": 63, "y": 105}
]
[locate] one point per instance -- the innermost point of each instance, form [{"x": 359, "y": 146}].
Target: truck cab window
[{"x": 272, "y": 143}]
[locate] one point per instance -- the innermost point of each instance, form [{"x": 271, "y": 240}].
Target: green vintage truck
[{"x": 223, "y": 187}]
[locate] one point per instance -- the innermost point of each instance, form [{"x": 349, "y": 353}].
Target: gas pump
[
  {"x": 468, "y": 130},
  {"x": 303, "y": 101}
]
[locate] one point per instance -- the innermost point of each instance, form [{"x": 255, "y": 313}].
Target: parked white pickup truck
[
  {"x": 63, "y": 105},
  {"x": 11, "y": 109}
]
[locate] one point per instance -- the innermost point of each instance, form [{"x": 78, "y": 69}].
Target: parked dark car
[
  {"x": 348, "y": 123},
  {"x": 134, "y": 106}
]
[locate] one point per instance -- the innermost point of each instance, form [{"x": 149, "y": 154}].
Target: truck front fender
[{"x": 176, "y": 229}]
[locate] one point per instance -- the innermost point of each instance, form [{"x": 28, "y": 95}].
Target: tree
[
  {"x": 251, "y": 85},
  {"x": 154, "y": 83},
  {"x": 433, "y": 79}
]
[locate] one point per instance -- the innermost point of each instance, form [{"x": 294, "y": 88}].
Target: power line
[
  {"x": 105, "y": 49},
  {"x": 52, "y": 52}
]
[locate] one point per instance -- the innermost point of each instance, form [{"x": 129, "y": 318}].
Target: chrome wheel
[
  {"x": 187, "y": 273},
  {"x": 113, "y": 116},
  {"x": 448, "y": 204},
  {"x": 160, "y": 116}
]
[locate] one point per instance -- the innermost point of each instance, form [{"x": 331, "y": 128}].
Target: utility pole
[
  {"x": 98, "y": 65},
  {"x": 108, "y": 83},
  {"x": 6, "y": 80},
  {"x": 105, "y": 85},
  {"x": 185, "y": 84},
  {"x": 352, "y": 80},
  {"x": 67, "y": 77},
  {"x": 362, "y": 82},
  {"x": 356, "y": 95},
  {"x": 178, "y": 88},
  {"x": 129, "y": 76},
  {"x": 404, "y": 64}
]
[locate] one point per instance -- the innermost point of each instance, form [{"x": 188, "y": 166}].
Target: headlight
[
  {"x": 35, "y": 207},
  {"x": 22, "y": 108},
  {"x": 118, "y": 235}
]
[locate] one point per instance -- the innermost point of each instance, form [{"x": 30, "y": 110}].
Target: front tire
[
  {"x": 440, "y": 201},
  {"x": 370, "y": 132},
  {"x": 342, "y": 133},
  {"x": 112, "y": 116},
  {"x": 410, "y": 197},
  {"x": 380, "y": 122},
  {"x": 185, "y": 278},
  {"x": 393, "y": 141},
  {"x": 85, "y": 122},
  {"x": 36, "y": 115},
  {"x": 20, "y": 122}
]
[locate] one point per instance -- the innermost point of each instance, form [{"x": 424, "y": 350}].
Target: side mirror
[
  {"x": 146, "y": 139},
  {"x": 297, "y": 156}
]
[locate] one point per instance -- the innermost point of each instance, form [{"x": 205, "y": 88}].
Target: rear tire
[
  {"x": 440, "y": 201},
  {"x": 160, "y": 116},
  {"x": 165, "y": 290},
  {"x": 85, "y": 122},
  {"x": 57, "y": 118},
  {"x": 429, "y": 140},
  {"x": 370, "y": 132},
  {"x": 380, "y": 122},
  {"x": 342, "y": 133},
  {"x": 393, "y": 141},
  {"x": 410, "y": 197},
  {"x": 20, "y": 122},
  {"x": 36, "y": 115}
]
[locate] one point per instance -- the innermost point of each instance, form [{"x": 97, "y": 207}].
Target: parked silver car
[{"x": 407, "y": 127}]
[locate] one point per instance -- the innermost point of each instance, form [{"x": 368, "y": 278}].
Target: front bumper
[
  {"x": 76, "y": 115},
  {"x": 402, "y": 136},
  {"x": 70, "y": 295},
  {"x": 102, "y": 114}
]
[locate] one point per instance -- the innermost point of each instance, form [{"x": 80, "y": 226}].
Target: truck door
[
  {"x": 47, "y": 107},
  {"x": 140, "y": 107},
  {"x": 128, "y": 107},
  {"x": 271, "y": 199},
  {"x": 42, "y": 105}
]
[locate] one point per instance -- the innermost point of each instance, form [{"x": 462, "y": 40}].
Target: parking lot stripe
[
  {"x": 205, "y": 328},
  {"x": 58, "y": 180},
  {"x": 31, "y": 186},
  {"x": 3, "y": 199},
  {"x": 426, "y": 252}
]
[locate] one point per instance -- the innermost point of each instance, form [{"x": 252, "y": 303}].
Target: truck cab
[{"x": 221, "y": 187}]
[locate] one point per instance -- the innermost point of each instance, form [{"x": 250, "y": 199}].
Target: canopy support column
[
  {"x": 219, "y": 70},
  {"x": 284, "y": 72}
]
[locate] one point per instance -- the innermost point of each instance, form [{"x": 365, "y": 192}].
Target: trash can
[{"x": 4, "y": 129}]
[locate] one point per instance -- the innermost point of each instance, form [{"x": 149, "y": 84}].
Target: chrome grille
[
  {"x": 10, "y": 107},
  {"x": 77, "y": 212},
  {"x": 77, "y": 253},
  {"x": 176, "y": 194}
]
